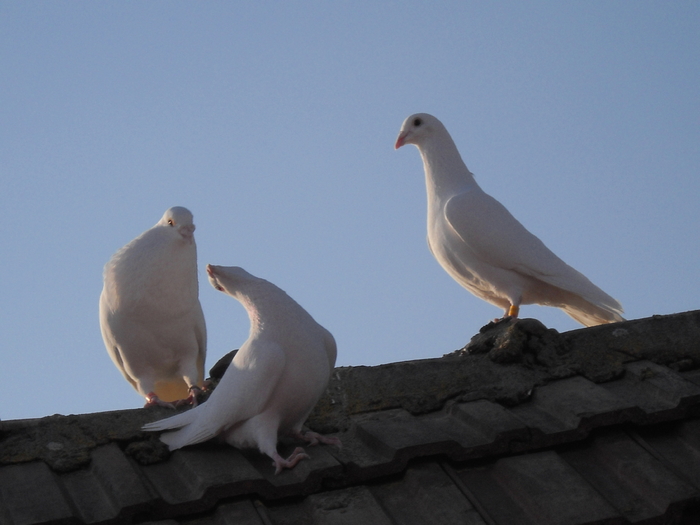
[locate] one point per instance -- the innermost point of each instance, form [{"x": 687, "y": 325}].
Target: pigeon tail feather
[
  {"x": 177, "y": 421},
  {"x": 189, "y": 435},
  {"x": 592, "y": 315}
]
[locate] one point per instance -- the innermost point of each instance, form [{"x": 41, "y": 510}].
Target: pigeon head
[
  {"x": 227, "y": 279},
  {"x": 214, "y": 272},
  {"x": 418, "y": 128},
  {"x": 180, "y": 219}
]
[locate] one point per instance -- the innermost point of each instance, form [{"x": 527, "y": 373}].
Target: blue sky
[{"x": 274, "y": 123}]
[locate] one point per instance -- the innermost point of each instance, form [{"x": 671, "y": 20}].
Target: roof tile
[
  {"x": 538, "y": 489},
  {"x": 677, "y": 445},
  {"x": 398, "y": 432},
  {"x": 29, "y": 494},
  {"x": 236, "y": 513},
  {"x": 190, "y": 473},
  {"x": 659, "y": 391},
  {"x": 108, "y": 488},
  {"x": 350, "y": 506},
  {"x": 633, "y": 480},
  {"x": 426, "y": 494}
]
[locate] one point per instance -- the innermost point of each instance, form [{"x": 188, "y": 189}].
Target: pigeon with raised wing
[{"x": 272, "y": 383}]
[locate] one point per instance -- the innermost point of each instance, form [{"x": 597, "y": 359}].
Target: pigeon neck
[
  {"x": 256, "y": 322},
  {"x": 256, "y": 319},
  {"x": 261, "y": 306},
  {"x": 445, "y": 171}
]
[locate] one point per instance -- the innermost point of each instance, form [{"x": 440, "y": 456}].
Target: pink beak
[{"x": 400, "y": 141}]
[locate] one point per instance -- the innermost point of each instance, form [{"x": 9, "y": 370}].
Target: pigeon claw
[
  {"x": 152, "y": 400},
  {"x": 314, "y": 438},
  {"x": 191, "y": 399},
  {"x": 280, "y": 463}
]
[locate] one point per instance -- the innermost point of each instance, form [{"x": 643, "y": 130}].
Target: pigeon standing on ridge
[
  {"x": 484, "y": 248},
  {"x": 272, "y": 383},
  {"x": 151, "y": 320}
]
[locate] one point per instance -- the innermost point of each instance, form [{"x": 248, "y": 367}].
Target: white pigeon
[
  {"x": 273, "y": 382},
  {"x": 151, "y": 320},
  {"x": 484, "y": 248}
]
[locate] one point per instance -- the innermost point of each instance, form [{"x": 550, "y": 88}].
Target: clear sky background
[{"x": 274, "y": 123}]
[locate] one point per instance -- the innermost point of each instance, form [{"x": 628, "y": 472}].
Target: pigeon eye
[
  {"x": 171, "y": 222},
  {"x": 417, "y": 122}
]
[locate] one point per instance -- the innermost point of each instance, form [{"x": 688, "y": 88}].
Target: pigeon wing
[
  {"x": 110, "y": 341},
  {"x": 499, "y": 239},
  {"x": 200, "y": 333},
  {"x": 244, "y": 391}
]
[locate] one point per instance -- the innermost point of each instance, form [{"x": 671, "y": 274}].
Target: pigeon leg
[
  {"x": 313, "y": 438},
  {"x": 191, "y": 399},
  {"x": 280, "y": 463},
  {"x": 153, "y": 400},
  {"x": 513, "y": 311}
]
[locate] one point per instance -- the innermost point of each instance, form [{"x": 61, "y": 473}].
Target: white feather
[
  {"x": 150, "y": 316},
  {"x": 484, "y": 248},
  {"x": 274, "y": 380}
]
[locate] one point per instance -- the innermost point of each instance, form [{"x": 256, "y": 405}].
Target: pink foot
[
  {"x": 280, "y": 463},
  {"x": 314, "y": 438},
  {"x": 152, "y": 400}
]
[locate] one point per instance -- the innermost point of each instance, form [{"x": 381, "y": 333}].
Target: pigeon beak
[
  {"x": 401, "y": 140},
  {"x": 187, "y": 231},
  {"x": 212, "y": 278}
]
